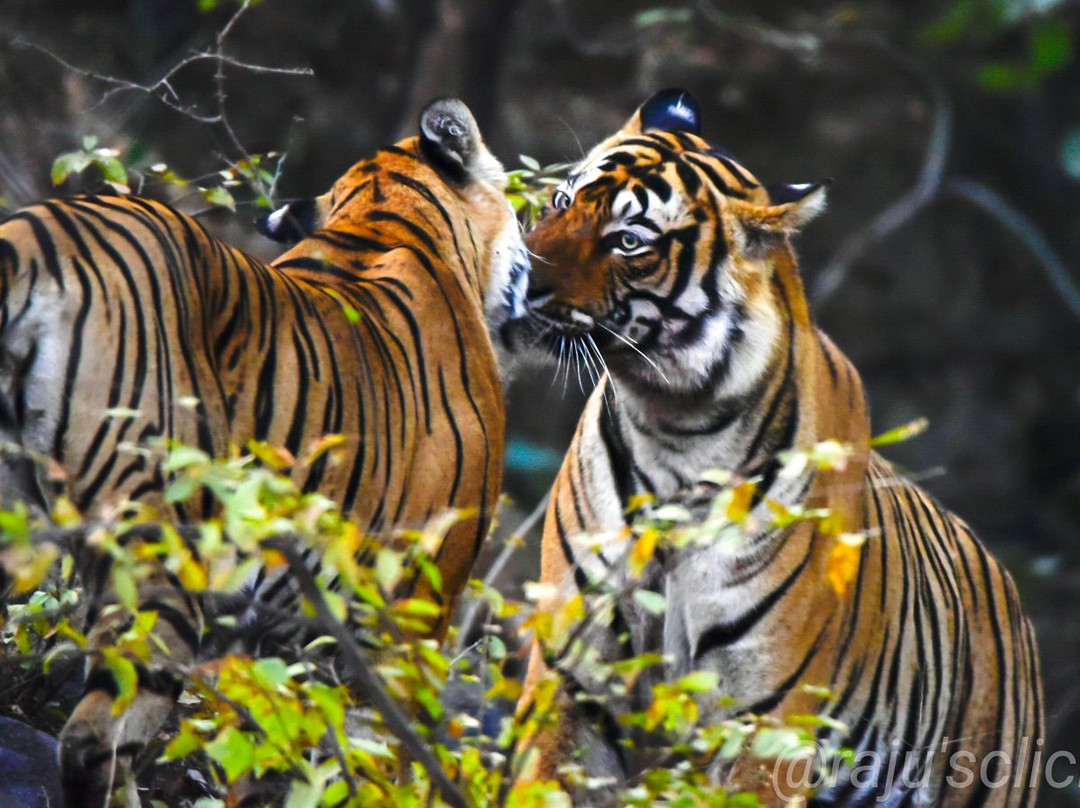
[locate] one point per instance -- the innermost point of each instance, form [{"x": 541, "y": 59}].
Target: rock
[{"x": 29, "y": 772}]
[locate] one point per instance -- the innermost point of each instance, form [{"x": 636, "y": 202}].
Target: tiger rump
[
  {"x": 374, "y": 326},
  {"x": 672, "y": 264}
]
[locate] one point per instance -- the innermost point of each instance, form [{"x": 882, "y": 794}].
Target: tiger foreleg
[
  {"x": 98, "y": 748},
  {"x": 103, "y": 737}
]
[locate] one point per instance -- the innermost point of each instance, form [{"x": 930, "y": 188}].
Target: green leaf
[
  {"x": 182, "y": 489},
  {"x": 912, "y": 428},
  {"x": 234, "y": 750},
  {"x": 271, "y": 672},
  {"x": 1051, "y": 46},
  {"x": 772, "y": 743},
  {"x": 219, "y": 196},
  {"x": 958, "y": 20},
  {"x": 529, "y": 162},
  {"x": 67, "y": 164},
  {"x": 124, "y": 587},
  {"x": 700, "y": 682},
  {"x": 89, "y": 143},
  {"x": 186, "y": 742},
  {"x": 15, "y": 524},
  {"x": 181, "y": 457},
  {"x": 304, "y": 795},
  {"x": 112, "y": 169},
  {"x": 652, "y": 602}
]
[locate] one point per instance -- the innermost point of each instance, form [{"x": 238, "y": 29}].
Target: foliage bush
[{"x": 368, "y": 711}]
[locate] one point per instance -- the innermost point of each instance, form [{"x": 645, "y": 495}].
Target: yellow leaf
[
  {"x": 509, "y": 689},
  {"x": 33, "y": 568},
  {"x": 64, "y": 513},
  {"x": 276, "y": 457},
  {"x": 324, "y": 445},
  {"x": 843, "y": 563},
  {"x": 643, "y": 550},
  {"x": 742, "y": 500},
  {"x": 639, "y": 501},
  {"x": 123, "y": 672},
  {"x": 193, "y": 574}
]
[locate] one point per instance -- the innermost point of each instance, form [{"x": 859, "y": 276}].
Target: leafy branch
[{"x": 243, "y": 167}]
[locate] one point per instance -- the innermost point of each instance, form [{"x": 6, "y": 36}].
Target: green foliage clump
[{"x": 359, "y": 708}]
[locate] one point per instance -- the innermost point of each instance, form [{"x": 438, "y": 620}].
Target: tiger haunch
[
  {"x": 664, "y": 259},
  {"x": 374, "y": 326}
]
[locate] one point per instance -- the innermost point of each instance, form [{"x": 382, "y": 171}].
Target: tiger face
[{"x": 656, "y": 254}]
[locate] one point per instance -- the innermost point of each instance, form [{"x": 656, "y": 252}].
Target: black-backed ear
[
  {"x": 789, "y": 208},
  {"x": 671, "y": 110},
  {"x": 449, "y": 138},
  {"x": 784, "y": 193},
  {"x": 291, "y": 222}
]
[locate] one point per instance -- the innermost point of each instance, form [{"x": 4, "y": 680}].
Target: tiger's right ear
[
  {"x": 670, "y": 110},
  {"x": 291, "y": 222}
]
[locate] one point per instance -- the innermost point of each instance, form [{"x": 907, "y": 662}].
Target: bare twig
[
  {"x": 584, "y": 45},
  {"x": 991, "y": 202},
  {"x": 364, "y": 679},
  {"x": 477, "y": 607},
  {"x": 804, "y": 44},
  {"x": 163, "y": 90},
  {"x": 900, "y": 211}
]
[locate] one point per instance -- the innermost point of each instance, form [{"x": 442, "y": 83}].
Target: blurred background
[{"x": 947, "y": 266}]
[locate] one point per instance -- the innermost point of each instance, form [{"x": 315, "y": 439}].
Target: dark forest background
[{"x": 947, "y": 267}]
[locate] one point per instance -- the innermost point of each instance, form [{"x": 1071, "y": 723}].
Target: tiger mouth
[{"x": 540, "y": 327}]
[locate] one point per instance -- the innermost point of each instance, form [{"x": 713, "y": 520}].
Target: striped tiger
[
  {"x": 374, "y": 326},
  {"x": 663, "y": 258}
]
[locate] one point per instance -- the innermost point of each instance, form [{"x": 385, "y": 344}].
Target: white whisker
[
  {"x": 578, "y": 363},
  {"x": 603, "y": 371},
  {"x": 636, "y": 350}
]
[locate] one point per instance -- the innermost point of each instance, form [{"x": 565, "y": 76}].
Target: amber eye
[
  {"x": 629, "y": 241},
  {"x": 560, "y": 200}
]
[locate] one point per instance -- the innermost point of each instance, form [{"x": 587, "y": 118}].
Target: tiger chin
[
  {"x": 665, "y": 261},
  {"x": 374, "y": 325}
]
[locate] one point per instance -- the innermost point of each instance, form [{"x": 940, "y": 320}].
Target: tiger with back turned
[
  {"x": 374, "y": 326},
  {"x": 675, "y": 263}
]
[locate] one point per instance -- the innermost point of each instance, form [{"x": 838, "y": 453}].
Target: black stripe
[{"x": 722, "y": 635}]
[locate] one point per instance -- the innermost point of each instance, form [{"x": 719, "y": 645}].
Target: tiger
[
  {"x": 665, "y": 260},
  {"x": 374, "y": 326}
]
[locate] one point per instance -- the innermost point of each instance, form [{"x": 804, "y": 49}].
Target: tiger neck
[
  {"x": 809, "y": 393},
  {"x": 358, "y": 242}
]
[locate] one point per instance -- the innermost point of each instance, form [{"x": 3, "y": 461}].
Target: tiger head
[
  {"x": 449, "y": 165},
  {"x": 660, "y": 255}
]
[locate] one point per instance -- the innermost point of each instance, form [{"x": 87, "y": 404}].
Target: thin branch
[
  {"x": 804, "y": 44},
  {"x": 900, "y": 211},
  {"x": 163, "y": 89},
  {"x": 364, "y": 679},
  {"x": 991, "y": 202},
  {"x": 477, "y": 607}
]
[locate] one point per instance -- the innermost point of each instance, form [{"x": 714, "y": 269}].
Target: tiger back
[
  {"x": 374, "y": 326},
  {"x": 667, "y": 262}
]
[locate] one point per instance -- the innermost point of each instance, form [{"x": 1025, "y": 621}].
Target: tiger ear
[
  {"x": 292, "y": 222},
  {"x": 670, "y": 110},
  {"x": 790, "y": 207},
  {"x": 450, "y": 140}
]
